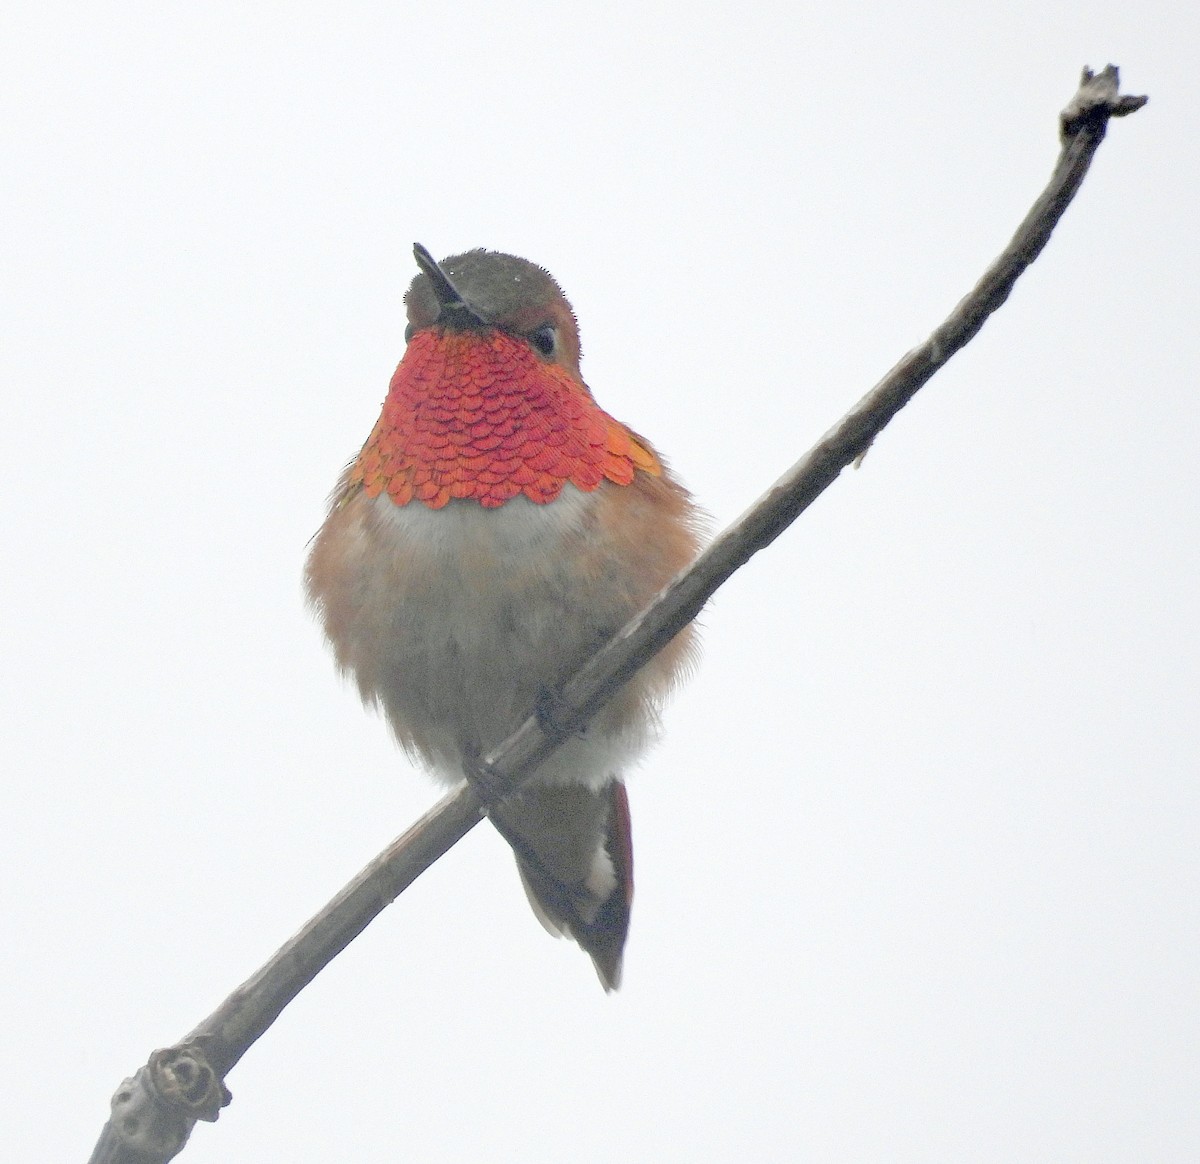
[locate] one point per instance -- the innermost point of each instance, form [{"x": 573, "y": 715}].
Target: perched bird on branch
[{"x": 496, "y": 529}]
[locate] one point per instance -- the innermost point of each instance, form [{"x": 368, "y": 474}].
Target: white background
[{"x": 918, "y": 871}]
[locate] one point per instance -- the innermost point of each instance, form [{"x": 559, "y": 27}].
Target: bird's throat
[{"x": 482, "y": 416}]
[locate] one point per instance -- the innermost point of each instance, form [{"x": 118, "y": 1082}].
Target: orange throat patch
[{"x": 482, "y": 416}]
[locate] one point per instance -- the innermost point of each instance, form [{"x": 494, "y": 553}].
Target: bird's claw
[
  {"x": 554, "y": 715},
  {"x": 481, "y": 776}
]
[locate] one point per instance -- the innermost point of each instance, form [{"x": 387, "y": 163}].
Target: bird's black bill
[{"x": 455, "y": 311}]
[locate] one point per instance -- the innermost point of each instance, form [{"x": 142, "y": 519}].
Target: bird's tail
[{"x": 574, "y": 850}]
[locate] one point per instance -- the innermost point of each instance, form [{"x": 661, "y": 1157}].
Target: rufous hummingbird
[{"x": 496, "y": 529}]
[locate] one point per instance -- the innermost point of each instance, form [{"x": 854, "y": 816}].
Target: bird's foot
[
  {"x": 481, "y": 776},
  {"x": 555, "y": 716}
]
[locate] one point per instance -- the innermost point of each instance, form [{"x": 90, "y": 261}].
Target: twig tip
[{"x": 1096, "y": 101}]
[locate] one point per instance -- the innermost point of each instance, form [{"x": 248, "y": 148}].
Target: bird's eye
[
  {"x": 545, "y": 339},
  {"x": 408, "y": 332}
]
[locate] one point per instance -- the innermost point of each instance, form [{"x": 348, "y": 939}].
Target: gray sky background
[{"x": 918, "y": 871}]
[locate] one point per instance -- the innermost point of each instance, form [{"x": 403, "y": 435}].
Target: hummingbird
[{"x": 497, "y": 528}]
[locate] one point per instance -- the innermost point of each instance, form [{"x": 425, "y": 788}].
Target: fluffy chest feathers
[{"x": 454, "y": 620}]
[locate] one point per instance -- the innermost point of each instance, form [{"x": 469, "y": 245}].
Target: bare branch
[{"x": 154, "y": 1112}]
